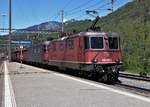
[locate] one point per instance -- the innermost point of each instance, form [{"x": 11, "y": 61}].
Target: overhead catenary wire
[
  {"x": 83, "y": 9},
  {"x": 55, "y": 16},
  {"x": 78, "y": 6},
  {"x": 100, "y": 7},
  {"x": 79, "y": 16},
  {"x": 84, "y": 4},
  {"x": 67, "y": 4}
]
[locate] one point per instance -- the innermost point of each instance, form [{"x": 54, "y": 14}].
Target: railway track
[
  {"x": 134, "y": 76},
  {"x": 134, "y": 83},
  {"x": 134, "y": 89}
]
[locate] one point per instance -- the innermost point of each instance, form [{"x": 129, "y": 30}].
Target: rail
[
  {"x": 134, "y": 76},
  {"x": 132, "y": 81},
  {"x": 138, "y": 90}
]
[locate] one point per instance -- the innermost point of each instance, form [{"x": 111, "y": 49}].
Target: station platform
[{"x": 36, "y": 87}]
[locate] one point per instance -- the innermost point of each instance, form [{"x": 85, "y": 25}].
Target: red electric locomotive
[{"x": 95, "y": 54}]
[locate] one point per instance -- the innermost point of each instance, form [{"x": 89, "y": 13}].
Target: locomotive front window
[
  {"x": 113, "y": 42},
  {"x": 97, "y": 42}
]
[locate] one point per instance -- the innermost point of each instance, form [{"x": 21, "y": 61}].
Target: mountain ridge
[{"x": 50, "y": 25}]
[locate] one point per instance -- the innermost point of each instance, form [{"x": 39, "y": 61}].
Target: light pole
[
  {"x": 62, "y": 20},
  {"x": 3, "y": 19},
  {"x": 113, "y": 2},
  {"x": 21, "y": 56},
  {"x": 10, "y": 16}
]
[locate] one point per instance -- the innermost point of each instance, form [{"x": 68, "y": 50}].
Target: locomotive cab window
[
  {"x": 61, "y": 46},
  {"x": 113, "y": 42},
  {"x": 70, "y": 43},
  {"x": 97, "y": 42}
]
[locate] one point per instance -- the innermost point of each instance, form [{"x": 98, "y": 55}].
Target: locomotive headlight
[
  {"x": 117, "y": 60},
  {"x": 94, "y": 61}
]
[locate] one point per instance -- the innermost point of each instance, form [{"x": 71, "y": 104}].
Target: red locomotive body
[
  {"x": 24, "y": 55},
  {"x": 94, "y": 53},
  {"x": 2, "y": 56}
]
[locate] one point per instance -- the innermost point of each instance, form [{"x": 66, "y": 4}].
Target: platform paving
[
  {"x": 1, "y": 84},
  {"x": 34, "y": 87}
]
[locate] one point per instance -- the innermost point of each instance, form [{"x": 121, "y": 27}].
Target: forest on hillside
[{"x": 132, "y": 22}]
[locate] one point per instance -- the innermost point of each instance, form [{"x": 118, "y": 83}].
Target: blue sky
[{"x": 30, "y": 12}]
